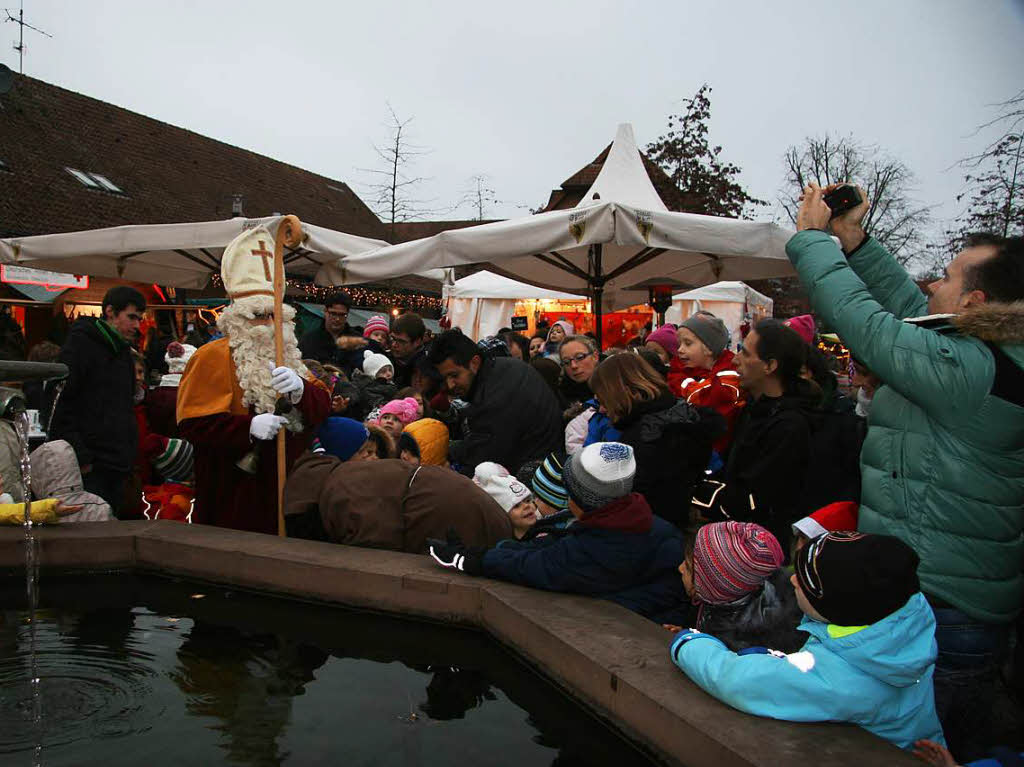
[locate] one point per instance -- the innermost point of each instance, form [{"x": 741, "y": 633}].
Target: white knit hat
[
  {"x": 247, "y": 266},
  {"x": 487, "y": 469},
  {"x": 508, "y": 491},
  {"x": 599, "y": 473},
  {"x": 373, "y": 363}
]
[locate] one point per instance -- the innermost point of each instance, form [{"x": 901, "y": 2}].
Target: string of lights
[{"x": 364, "y": 296}]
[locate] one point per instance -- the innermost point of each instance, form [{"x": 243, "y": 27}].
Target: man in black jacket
[
  {"x": 94, "y": 411},
  {"x": 765, "y": 469},
  {"x": 513, "y": 417},
  {"x": 334, "y": 342}
]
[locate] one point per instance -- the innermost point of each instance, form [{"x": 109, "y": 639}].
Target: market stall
[{"x": 735, "y": 303}]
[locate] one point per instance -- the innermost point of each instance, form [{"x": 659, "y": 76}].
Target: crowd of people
[{"x": 817, "y": 555}]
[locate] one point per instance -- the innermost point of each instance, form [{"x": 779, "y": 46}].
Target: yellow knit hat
[{"x": 432, "y": 437}]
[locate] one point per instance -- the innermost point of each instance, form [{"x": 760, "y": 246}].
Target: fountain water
[{"x": 14, "y": 407}]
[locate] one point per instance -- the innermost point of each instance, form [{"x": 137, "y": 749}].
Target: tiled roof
[
  {"x": 168, "y": 174},
  {"x": 415, "y": 230}
]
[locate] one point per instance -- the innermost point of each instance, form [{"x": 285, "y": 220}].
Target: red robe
[{"x": 211, "y": 416}]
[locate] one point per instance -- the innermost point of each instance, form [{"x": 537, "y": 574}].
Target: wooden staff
[{"x": 289, "y": 232}]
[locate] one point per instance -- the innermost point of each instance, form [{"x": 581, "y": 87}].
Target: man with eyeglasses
[
  {"x": 94, "y": 410},
  {"x": 334, "y": 342},
  {"x": 408, "y": 350}
]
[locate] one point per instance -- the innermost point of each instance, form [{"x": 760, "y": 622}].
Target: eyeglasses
[
  {"x": 576, "y": 358},
  {"x": 337, "y": 315},
  {"x": 399, "y": 341}
]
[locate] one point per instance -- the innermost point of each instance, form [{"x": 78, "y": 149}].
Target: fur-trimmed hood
[{"x": 1000, "y": 323}]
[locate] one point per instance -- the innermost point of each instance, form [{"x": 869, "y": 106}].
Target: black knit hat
[{"x": 855, "y": 579}]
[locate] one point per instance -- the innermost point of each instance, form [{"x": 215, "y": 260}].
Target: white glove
[
  {"x": 288, "y": 383},
  {"x": 266, "y": 425}
]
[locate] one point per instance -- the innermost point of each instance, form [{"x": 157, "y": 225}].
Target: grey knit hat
[
  {"x": 710, "y": 330},
  {"x": 599, "y": 473}
]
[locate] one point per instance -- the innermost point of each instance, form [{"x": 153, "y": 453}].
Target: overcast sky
[{"x": 530, "y": 93}]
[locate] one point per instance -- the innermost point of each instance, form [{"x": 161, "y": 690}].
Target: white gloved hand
[
  {"x": 287, "y": 383},
  {"x": 266, "y": 425}
]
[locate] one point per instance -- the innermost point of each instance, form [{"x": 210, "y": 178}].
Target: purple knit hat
[
  {"x": 732, "y": 559},
  {"x": 666, "y": 338}
]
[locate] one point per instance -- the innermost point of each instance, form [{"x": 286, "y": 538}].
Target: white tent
[
  {"x": 734, "y": 302},
  {"x": 484, "y": 302},
  {"x": 181, "y": 255},
  {"x": 619, "y": 236}
]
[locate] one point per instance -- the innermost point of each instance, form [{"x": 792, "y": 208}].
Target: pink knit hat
[
  {"x": 376, "y": 322},
  {"x": 732, "y": 559},
  {"x": 406, "y": 409},
  {"x": 804, "y": 326},
  {"x": 666, "y": 338}
]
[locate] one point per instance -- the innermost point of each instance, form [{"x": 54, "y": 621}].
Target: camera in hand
[{"x": 842, "y": 199}]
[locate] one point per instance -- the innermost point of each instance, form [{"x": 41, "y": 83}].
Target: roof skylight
[{"x": 95, "y": 181}]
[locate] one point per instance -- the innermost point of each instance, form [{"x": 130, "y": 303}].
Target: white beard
[{"x": 252, "y": 349}]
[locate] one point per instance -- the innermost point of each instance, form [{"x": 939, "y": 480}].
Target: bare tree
[
  {"x": 994, "y": 179},
  {"x": 478, "y": 196},
  {"x": 393, "y": 192},
  {"x": 894, "y": 218}
]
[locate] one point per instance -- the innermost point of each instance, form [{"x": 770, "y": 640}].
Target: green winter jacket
[{"x": 943, "y": 462}]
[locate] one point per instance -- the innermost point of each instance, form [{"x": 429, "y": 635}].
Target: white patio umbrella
[
  {"x": 181, "y": 255},
  {"x": 621, "y": 236}
]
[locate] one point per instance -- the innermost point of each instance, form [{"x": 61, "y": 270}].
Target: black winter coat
[
  {"x": 671, "y": 442},
  {"x": 512, "y": 418},
  {"x": 373, "y": 392},
  {"x": 95, "y": 411},
  {"x": 767, "y": 464},
  {"x": 317, "y": 344},
  {"x": 833, "y": 467}
]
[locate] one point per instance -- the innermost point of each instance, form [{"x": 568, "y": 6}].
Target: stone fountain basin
[{"x": 611, "y": 660}]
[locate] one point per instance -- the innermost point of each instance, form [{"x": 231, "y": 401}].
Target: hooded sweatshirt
[
  {"x": 55, "y": 474},
  {"x": 879, "y": 677}
]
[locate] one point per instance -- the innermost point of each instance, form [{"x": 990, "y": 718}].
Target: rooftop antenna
[{"x": 20, "y": 21}]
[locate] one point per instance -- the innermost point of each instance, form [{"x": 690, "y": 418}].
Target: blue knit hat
[
  {"x": 342, "y": 437},
  {"x": 547, "y": 483}
]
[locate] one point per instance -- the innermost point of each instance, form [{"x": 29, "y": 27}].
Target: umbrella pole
[
  {"x": 597, "y": 285},
  {"x": 289, "y": 232}
]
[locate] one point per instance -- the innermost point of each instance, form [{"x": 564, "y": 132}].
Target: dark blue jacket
[{"x": 621, "y": 552}]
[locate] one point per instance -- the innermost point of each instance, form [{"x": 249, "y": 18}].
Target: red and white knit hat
[
  {"x": 828, "y": 519},
  {"x": 376, "y": 322},
  {"x": 732, "y": 559}
]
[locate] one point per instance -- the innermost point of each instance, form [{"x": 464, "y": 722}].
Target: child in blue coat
[
  {"x": 871, "y": 652},
  {"x": 615, "y": 549}
]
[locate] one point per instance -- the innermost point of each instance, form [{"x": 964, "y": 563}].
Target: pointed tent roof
[
  {"x": 626, "y": 238},
  {"x": 623, "y": 177}
]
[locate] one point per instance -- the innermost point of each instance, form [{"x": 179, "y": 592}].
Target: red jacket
[{"x": 719, "y": 389}]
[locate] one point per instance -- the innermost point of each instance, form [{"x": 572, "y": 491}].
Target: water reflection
[
  {"x": 135, "y": 672},
  {"x": 247, "y": 684}
]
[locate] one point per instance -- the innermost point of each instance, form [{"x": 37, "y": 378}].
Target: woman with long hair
[{"x": 671, "y": 440}]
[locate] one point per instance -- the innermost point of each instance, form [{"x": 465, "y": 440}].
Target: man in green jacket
[{"x": 943, "y": 462}]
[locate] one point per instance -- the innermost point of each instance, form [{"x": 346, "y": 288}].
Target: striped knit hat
[
  {"x": 547, "y": 483},
  {"x": 732, "y": 559},
  {"x": 376, "y": 322},
  {"x": 174, "y": 463}
]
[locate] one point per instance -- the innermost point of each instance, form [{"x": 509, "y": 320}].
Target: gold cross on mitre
[{"x": 263, "y": 253}]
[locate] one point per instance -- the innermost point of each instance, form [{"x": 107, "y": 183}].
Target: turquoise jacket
[
  {"x": 943, "y": 462},
  {"x": 879, "y": 677}
]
